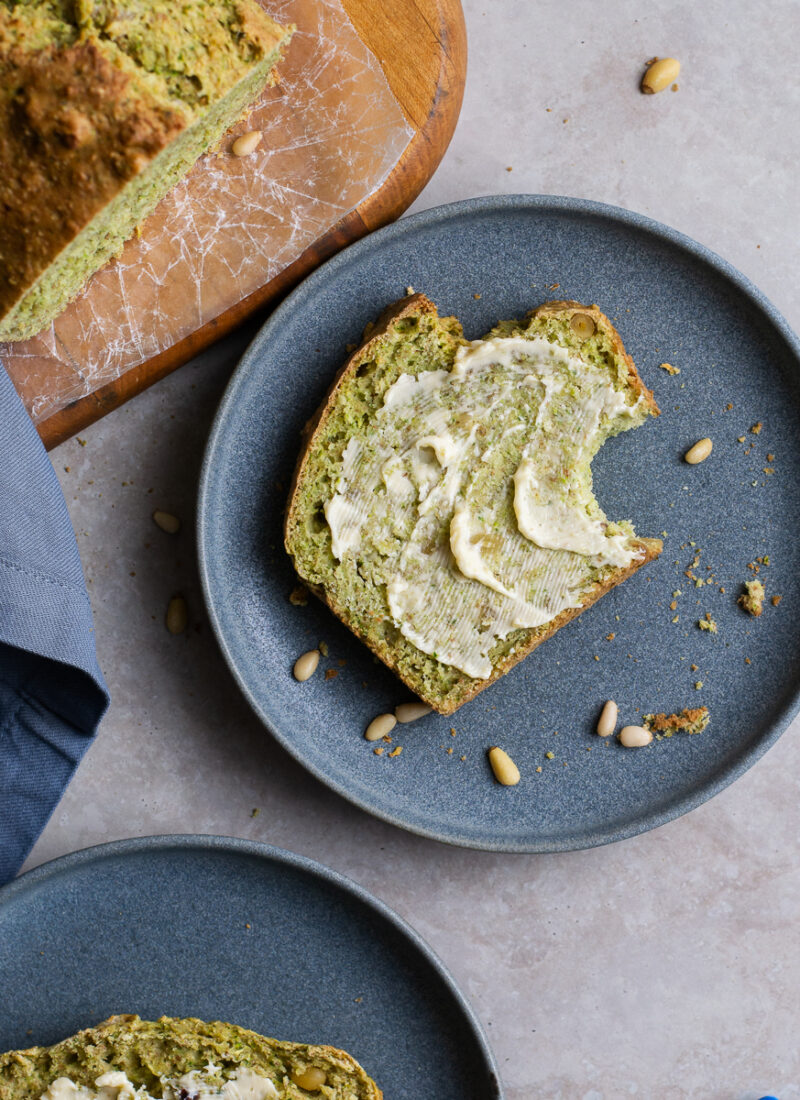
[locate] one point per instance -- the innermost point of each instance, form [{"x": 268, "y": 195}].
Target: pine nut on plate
[
  {"x": 306, "y": 665},
  {"x": 380, "y": 726},
  {"x": 607, "y": 722},
  {"x": 635, "y": 737},
  {"x": 410, "y": 712},
  {"x": 699, "y": 452},
  {"x": 505, "y": 770}
]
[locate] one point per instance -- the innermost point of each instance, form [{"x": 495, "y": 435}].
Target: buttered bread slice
[
  {"x": 443, "y": 504},
  {"x": 126, "y": 1058}
]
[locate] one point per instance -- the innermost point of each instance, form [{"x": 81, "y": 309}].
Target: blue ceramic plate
[
  {"x": 232, "y": 930},
  {"x": 672, "y": 301}
]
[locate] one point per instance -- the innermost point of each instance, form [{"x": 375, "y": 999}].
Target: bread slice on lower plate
[
  {"x": 126, "y": 1058},
  {"x": 442, "y": 505}
]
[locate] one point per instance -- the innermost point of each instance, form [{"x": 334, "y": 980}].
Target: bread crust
[{"x": 465, "y": 690}]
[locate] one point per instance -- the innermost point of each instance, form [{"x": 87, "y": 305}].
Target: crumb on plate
[
  {"x": 299, "y": 596},
  {"x": 690, "y": 720},
  {"x": 752, "y": 599}
]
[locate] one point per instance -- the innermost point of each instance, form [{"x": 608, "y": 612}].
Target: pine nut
[
  {"x": 380, "y": 726},
  {"x": 247, "y": 143},
  {"x": 607, "y": 722},
  {"x": 177, "y": 617},
  {"x": 699, "y": 452},
  {"x": 410, "y": 712},
  {"x": 635, "y": 737},
  {"x": 660, "y": 75},
  {"x": 167, "y": 522},
  {"x": 306, "y": 665},
  {"x": 311, "y": 1078},
  {"x": 582, "y": 325},
  {"x": 504, "y": 768}
]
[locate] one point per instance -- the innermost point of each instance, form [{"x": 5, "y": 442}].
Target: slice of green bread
[
  {"x": 104, "y": 106},
  {"x": 181, "y": 1060},
  {"x": 426, "y": 462}
]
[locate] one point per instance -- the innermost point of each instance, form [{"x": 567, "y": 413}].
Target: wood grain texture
[{"x": 422, "y": 48}]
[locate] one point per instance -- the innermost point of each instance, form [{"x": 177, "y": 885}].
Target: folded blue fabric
[{"x": 52, "y": 692}]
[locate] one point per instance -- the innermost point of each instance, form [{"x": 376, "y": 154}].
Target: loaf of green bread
[
  {"x": 442, "y": 505},
  {"x": 126, "y": 1058},
  {"x": 104, "y": 106}
]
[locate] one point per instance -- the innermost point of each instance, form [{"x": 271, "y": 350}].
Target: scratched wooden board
[{"x": 421, "y": 47}]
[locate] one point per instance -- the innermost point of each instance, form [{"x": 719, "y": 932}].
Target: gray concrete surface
[{"x": 666, "y": 967}]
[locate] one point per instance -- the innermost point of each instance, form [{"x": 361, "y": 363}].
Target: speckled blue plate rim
[
  {"x": 66, "y": 864},
  {"x": 298, "y": 299}
]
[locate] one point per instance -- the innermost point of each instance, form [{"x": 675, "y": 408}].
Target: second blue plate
[{"x": 225, "y": 929}]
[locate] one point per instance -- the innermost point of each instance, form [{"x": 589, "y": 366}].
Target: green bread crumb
[
  {"x": 752, "y": 599},
  {"x": 692, "y": 720}
]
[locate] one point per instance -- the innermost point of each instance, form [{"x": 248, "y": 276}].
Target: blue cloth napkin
[{"x": 52, "y": 692}]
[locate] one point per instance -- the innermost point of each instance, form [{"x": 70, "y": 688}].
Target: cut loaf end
[{"x": 98, "y": 121}]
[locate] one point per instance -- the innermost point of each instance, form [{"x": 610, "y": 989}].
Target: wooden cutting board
[{"x": 421, "y": 46}]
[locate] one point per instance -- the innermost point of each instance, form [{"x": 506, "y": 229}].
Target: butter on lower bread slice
[
  {"x": 180, "y": 1059},
  {"x": 442, "y": 505}
]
